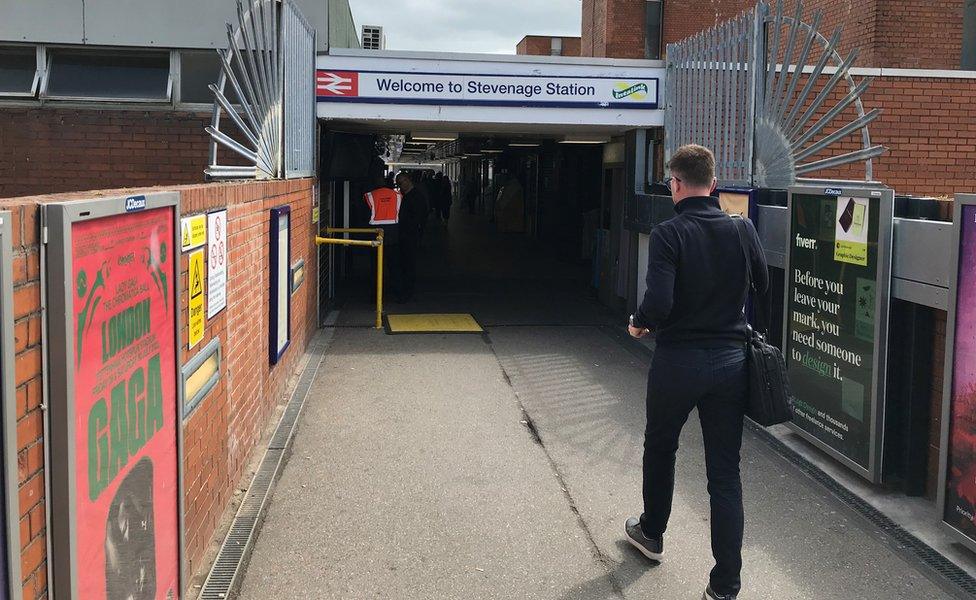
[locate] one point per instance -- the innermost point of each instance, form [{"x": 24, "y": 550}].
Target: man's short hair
[
  {"x": 694, "y": 165},
  {"x": 405, "y": 175}
]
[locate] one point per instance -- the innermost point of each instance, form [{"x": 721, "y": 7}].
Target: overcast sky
[{"x": 494, "y": 26}]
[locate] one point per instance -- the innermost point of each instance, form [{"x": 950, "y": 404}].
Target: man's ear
[{"x": 714, "y": 185}]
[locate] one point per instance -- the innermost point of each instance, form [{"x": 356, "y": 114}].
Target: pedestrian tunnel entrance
[{"x": 525, "y": 165}]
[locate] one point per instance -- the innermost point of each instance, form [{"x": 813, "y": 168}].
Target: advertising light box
[
  {"x": 957, "y": 492},
  {"x": 838, "y": 273},
  {"x": 115, "y": 405}
]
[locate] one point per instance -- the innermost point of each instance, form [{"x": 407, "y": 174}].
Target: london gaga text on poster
[{"x": 125, "y": 407}]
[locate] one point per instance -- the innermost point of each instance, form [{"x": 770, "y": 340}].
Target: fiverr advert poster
[
  {"x": 127, "y": 522},
  {"x": 831, "y": 319}
]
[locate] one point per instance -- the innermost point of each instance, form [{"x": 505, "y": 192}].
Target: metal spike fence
[
  {"x": 271, "y": 47},
  {"x": 737, "y": 89}
]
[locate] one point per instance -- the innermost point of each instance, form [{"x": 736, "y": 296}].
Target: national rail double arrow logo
[{"x": 337, "y": 83}]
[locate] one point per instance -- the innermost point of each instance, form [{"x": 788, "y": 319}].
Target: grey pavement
[{"x": 503, "y": 466}]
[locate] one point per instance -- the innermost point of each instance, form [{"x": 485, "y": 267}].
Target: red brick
[
  {"x": 31, "y": 493},
  {"x": 32, "y": 556},
  {"x": 27, "y": 365},
  {"x": 37, "y": 519},
  {"x": 27, "y": 300},
  {"x": 30, "y": 429}
]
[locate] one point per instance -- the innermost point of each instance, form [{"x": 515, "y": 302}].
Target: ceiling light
[
  {"x": 491, "y": 151},
  {"x": 585, "y": 139},
  {"x": 524, "y": 145},
  {"x": 431, "y": 136}
]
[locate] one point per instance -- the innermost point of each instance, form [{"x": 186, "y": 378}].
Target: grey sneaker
[
  {"x": 710, "y": 595},
  {"x": 649, "y": 547}
]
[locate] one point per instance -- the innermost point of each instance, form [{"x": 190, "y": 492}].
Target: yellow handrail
[
  {"x": 378, "y": 244},
  {"x": 375, "y": 230}
]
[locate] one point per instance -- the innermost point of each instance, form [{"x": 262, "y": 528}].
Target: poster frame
[
  {"x": 753, "y": 201},
  {"x": 11, "y": 536},
  {"x": 58, "y": 221},
  {"x": 886, "y": 223},
  {"x": 961, "y": 200},
  {"x": 274, "y": 355}
]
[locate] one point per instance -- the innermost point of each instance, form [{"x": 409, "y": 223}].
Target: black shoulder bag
[{"x": 770, "y": 395}]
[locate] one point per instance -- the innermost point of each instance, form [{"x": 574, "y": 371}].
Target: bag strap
[{"x": 740, "y": 229}]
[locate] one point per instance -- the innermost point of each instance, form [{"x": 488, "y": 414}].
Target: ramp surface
[
  {"x": 433, "y": 323},
  {"x": 503, "y": 466}
]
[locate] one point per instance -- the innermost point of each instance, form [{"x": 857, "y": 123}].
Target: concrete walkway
[{"x": 503, "y": 466}]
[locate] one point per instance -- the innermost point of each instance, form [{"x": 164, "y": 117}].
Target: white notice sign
[{"x": 216, "y": 262}]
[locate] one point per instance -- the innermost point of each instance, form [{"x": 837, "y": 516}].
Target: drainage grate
[{"x": 226, "y": 574}]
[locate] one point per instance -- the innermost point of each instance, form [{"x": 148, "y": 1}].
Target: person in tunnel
[
  {"x": 510, "y": 204},
  {"x": 413, "y": 215},
  {"x": 697, "y": 286},
  {"x": 384, "y": 205}
]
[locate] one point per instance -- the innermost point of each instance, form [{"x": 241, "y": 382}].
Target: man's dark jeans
[{"x": 715, "y": 380}]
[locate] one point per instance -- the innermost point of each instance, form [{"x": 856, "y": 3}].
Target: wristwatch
[{"x": 632, "y": 321}]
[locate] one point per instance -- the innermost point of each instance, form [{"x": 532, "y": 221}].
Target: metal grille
[
  {"x": 737, "y": 89},
  {"x": 271, "y": 50},
  {"x": 298, "y": 54},
  {"x": 711, "y": 94}
]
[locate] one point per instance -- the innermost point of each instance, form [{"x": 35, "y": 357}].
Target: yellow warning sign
[
  {"x": 193, "y": 232},
  {"x": 195, "y": 308}
]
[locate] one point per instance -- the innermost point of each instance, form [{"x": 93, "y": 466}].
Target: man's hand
[{"x": 637, "y": 332}]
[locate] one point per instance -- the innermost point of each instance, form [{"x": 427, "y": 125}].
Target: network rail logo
[
  {"x": 336, "y": 83},
  {"x": 624, "y": 90}
]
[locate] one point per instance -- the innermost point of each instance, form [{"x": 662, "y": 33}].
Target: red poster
[{"x": 125, "y": 407}]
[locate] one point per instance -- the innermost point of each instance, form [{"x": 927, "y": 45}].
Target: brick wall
[
  {"x": 541, "y": 45},
  {"x": 919, "y": 35},
  {"x": 894, "y": 33},
  {"x": 224, "y": 429},
  {"x": 50, "y": 150},
  {"x": 685, "y": 18},
  {"x": 593, "y": 39},
  {"x": 928, "y": 125},
  {"x": 615, "y": 28}
]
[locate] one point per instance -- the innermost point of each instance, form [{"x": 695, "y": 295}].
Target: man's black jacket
[{"x": 696, "y": 277}]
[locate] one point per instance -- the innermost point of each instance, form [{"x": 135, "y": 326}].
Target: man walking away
[
  {"x": 696, "y": 291},
  {"x": 413, "y": 214},
  {"x": 385, "y": 205}
]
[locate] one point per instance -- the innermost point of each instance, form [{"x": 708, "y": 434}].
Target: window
[
  {"x": 557, "y": 47},
  {"x": 18, "y": 71},
  {"x": 197, "y": 71},
  {"x": 652, "y": 29},
  {"x": 108, "y": 75}
]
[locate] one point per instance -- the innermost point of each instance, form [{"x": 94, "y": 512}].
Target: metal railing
[
  {"x": 736, "y": 88},
  {"x": 377, "y": 243}
]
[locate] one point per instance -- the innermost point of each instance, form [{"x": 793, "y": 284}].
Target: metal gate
[
  {"x": 744, "y": 89},
  {"x": 266, "y": 92}
]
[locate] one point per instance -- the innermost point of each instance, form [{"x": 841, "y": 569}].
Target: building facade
[
  {"x": 543, "y": 45},
  {"x": 86, "y": 104}
]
